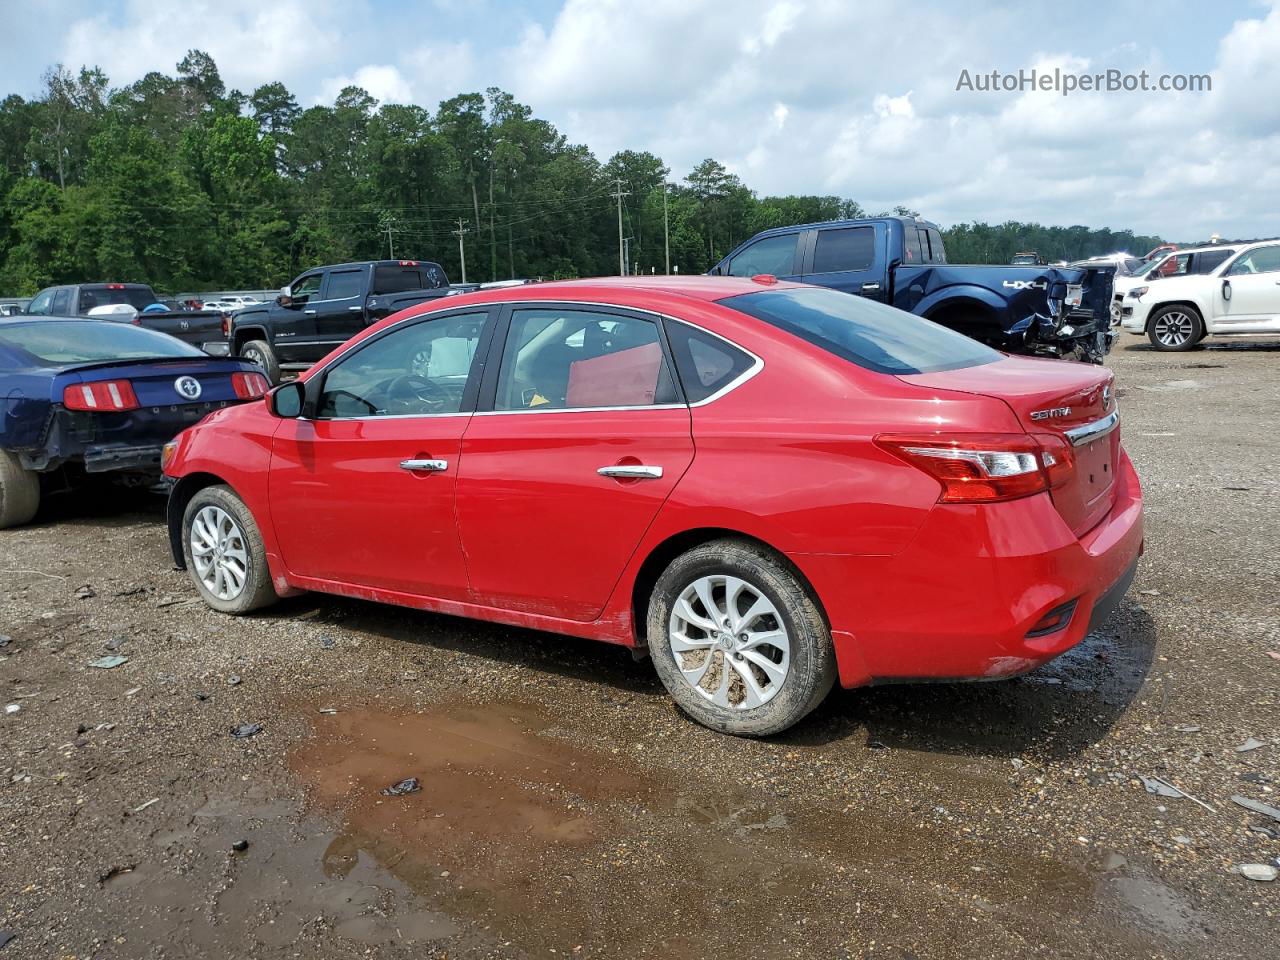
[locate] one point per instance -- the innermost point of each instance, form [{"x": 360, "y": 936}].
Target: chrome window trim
[
  {"x": 1092, "y": 431},
  {"x": 756, "y": 366}
]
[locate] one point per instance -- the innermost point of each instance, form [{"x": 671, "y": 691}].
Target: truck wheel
[
  {"x": 260, "y": 352},
  {"x": 737, "y": 641},
  {"x": 19, "y": 492},
  {"x": 1175, "y": 328}
]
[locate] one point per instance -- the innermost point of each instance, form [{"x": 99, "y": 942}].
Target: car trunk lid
[{"x": 1072, "y": 402}]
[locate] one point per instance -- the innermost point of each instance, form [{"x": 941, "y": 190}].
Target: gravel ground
[{"x": 566, "y": 808}]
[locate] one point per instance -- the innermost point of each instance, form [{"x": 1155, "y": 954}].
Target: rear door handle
[
  {"x": 356, "y": 309},
  {"x": 871, "y": 286},
  {"x": 428, "y": 466},
  {"x": 309, "y": 313},
  {"x": 631, "y": 471}
]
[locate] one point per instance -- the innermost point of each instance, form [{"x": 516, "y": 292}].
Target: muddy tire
[
  {"x": 738, "y": 641},
  {"x": 260, "y": 352},
  {"x": 224, "y": 554},
  {"x": 1175, "y": 328},
  {"x": 19, "y": 492}
]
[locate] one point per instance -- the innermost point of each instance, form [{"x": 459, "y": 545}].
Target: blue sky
[{"x": 797, "y": 96}]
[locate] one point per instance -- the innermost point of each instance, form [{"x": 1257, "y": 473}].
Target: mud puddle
[{"x": 550, "y": 845}]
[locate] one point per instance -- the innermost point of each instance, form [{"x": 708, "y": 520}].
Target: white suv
[{"x": 1241, "y": 296}]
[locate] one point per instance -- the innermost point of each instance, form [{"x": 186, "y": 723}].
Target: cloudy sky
[{"x": 796, "y": 96}]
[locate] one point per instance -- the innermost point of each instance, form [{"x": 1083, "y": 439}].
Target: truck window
[
  {"x": 911, "y": 239},
  {"x": 847, "y": 248},
  {"x": 305, "y": 288},
  {"x": 105, "y": 294},
  {"x": 396, "y": 279},
  {"x": 61, "y": 302},
  {"x": 40, "y": 305},
  {"x": 936, "y": 252},
  {"x": 344, "y": 284},
  {"x": 772, "y": 255}
]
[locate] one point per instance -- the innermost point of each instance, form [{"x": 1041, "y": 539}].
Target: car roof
[{"x": 695, "y": 287}]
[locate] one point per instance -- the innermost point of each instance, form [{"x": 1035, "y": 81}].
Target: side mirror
[
  {"x": 1226, "y": 289},
  {"x": 285, "y": 401},
  {"x": 285, "y": 297}
]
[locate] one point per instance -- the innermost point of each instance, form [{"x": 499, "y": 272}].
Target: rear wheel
[
  {"x": 1175, "y": 328},
  {"x": 19, "y": 492},
  {"x": 260, "y": 352},
  {"x": 737, "y": 640},
  {"x": 224, "y": 553}
]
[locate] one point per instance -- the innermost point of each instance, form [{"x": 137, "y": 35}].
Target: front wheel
[
  {"x": 260, "y": 352},
  {"x": 19, "y": 492},
  {"x": 224, "y": 552},
  {"x": 737, "y": 641},
  {"x": 1175, "y": 328}
]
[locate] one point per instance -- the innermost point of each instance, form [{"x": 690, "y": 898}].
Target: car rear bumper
[
  {"x": 143, "y": 458},
  {"x": 964, "y": 600}
]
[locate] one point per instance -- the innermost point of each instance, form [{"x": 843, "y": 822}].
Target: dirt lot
[{"x": 567, "y": 809}]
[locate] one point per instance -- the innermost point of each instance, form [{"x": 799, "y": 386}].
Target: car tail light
[
  {"x": 984, "y": 468},
  {"x": 226, "y": 326},
  {"x": 249, "y": 386},
  {"x": 108, "y": 396}
]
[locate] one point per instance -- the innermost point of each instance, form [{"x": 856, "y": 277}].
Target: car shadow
[
  {"x": 100, "y": 501},
  {"x": 1055, "y": 712},
  {"x": 1214, "y": 346}
]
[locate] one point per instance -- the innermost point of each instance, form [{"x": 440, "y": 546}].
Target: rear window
[
  {"x": 102, "y": 296},
  {"x": 847, "y": 248},
  {"x": 91, "y": 341},
  {"x": 870, "y": 334},
  {"x": 392, "y": 278}
]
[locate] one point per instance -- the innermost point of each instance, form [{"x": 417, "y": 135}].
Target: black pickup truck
[
  {"x": 200, "y": 328},
  {"x": 1062, "y": 312},
  {"x": 326, "y": 307}
]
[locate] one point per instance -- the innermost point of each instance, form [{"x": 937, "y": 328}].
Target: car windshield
[
  {"x": 91, "y": 341},
  {"x": 870, "y": 334},
  {"x": 102, "y": 296}
]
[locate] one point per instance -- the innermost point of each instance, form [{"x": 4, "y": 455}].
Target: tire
[
  {"x": 1175, "y": 328},
  {"x": 239, "y": 551},
  {"x": 19, "y": 492},
  {"x": 803, "y": 658},
  {"x": 260, "y": 352}
]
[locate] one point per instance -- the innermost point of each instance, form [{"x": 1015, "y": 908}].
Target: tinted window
[
  {"x": 344, "y": 284},
  {"x": 1210, "y": 260},
  {"x": 308, "y": 286},
  {"x": 90, "y": 341},
  {"x": 397, "y": 279},
  {"x": 40, "y": 305},
  {"x": 864, "y": 332},
  {"x": 774, "y": 255},
  {"x": 851, "y": 248},
  {"x": 413, "y": 371},
  {"x": 61, "y": 301},
  {"x": 911, "y": 242},
  {"x": 706, "y": 364},
  {"x": 937, "y": 254},
  {"x": 1261, "y": 260},
  {"x": 103, "y": 296},
  {"x": 562, "y": 359}
]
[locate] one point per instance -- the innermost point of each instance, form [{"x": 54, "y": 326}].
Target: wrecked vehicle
[
  {"x": 1062, "y": 312},
  {"x": 91, "y": 397}
]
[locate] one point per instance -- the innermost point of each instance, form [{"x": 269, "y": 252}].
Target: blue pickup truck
[{"x": 1062, "y": 312}]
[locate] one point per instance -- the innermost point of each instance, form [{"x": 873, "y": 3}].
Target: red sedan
[{"x": 767, "y": 486}]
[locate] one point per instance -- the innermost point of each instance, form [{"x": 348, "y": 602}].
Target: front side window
[
  {"x": 772, "y": 255},
  {"x": 41, "y": 304},
  {"x": 850, "y": 248},
  {"x": 869, "y": 334},
  {"x": 418, "y": 370},
  {"x": 306, "y": 288},
  {"x": 1210, "y": 260},
  {"x": 706, "y": 363},
  {"x": 1261, "y": 260},
  {"x": 574, "y": 359},
  {"x": 344, "y": 284}
]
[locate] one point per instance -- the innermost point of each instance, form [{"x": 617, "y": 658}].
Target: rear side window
[
  {"x": 772, "y": 255},
  {"x": 397, "y": 279},
  {"x": 61, "y": 301},
  {"x": 862, "y": 331},
  {"x": 911, "y": 245},
  {"x": 706, "y": 364},
  {"x": 343, "y": 285},
  {"x": 850, "y": 248},
  {"x": 936, "y": 252},
  {"x": 1258, "y": 260}
]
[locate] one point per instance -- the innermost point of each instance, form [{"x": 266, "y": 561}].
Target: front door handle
[
  {"x": 355, "y": 309},
  {"x": 428, "y": 466},
  {"x": 309, "y": 313},
  {"x": 631, "y": 471},
  {"x": 872, "y": 286}
]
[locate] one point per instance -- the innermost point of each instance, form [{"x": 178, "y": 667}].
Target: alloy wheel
[
  {"x": 729, "y": 642},
  {"x": 1174, "y": 328},
  {"x": 219, "y": 553}
]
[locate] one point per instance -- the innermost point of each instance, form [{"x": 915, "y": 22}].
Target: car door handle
[
  {"x": 631, "y": 471},
  {"x": 356, "y": 309},
  {"x": 871, "y": 286},
  {"x": 309, "y": 313},
  {"x": 428, "y": 466}
]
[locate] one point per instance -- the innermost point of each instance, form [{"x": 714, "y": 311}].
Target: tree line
[{"x": 182, "y": 183}]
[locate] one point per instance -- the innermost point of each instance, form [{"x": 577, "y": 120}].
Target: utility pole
[
  {"x": 666, "y": 228},
  {"x": 462, "y": 252},
  {"x": 622, "y": 256},
  {"x": 391, "y": 250}
]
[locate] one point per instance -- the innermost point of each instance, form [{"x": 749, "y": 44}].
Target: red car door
[
  {"x": 362, "y": 493},
  {"x": 583, "y": 439}
]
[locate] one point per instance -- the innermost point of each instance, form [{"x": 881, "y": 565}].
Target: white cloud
[{"x": 384, "y": 83}]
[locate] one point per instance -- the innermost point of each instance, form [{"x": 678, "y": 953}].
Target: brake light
[
  {"x": 226, "y": 326},
  {"x": 249, "y": 386},
  {"x": 408, "y": 263},
  {"x": 984, "y": 468},
  {"x": 107, "y": 396},
  {"x": 114, "y": 286}
]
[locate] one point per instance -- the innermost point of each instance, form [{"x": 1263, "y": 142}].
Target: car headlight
[{"x": 1137, "y": 292}]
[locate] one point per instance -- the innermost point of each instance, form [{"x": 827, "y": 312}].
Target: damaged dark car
[{"x": 1061, "y": 312}]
